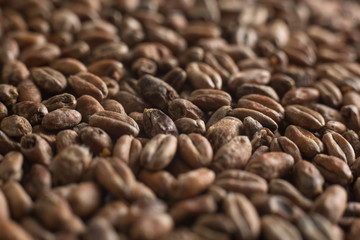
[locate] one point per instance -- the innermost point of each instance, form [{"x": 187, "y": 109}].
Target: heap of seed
[{"x": 179, "y": 120}]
